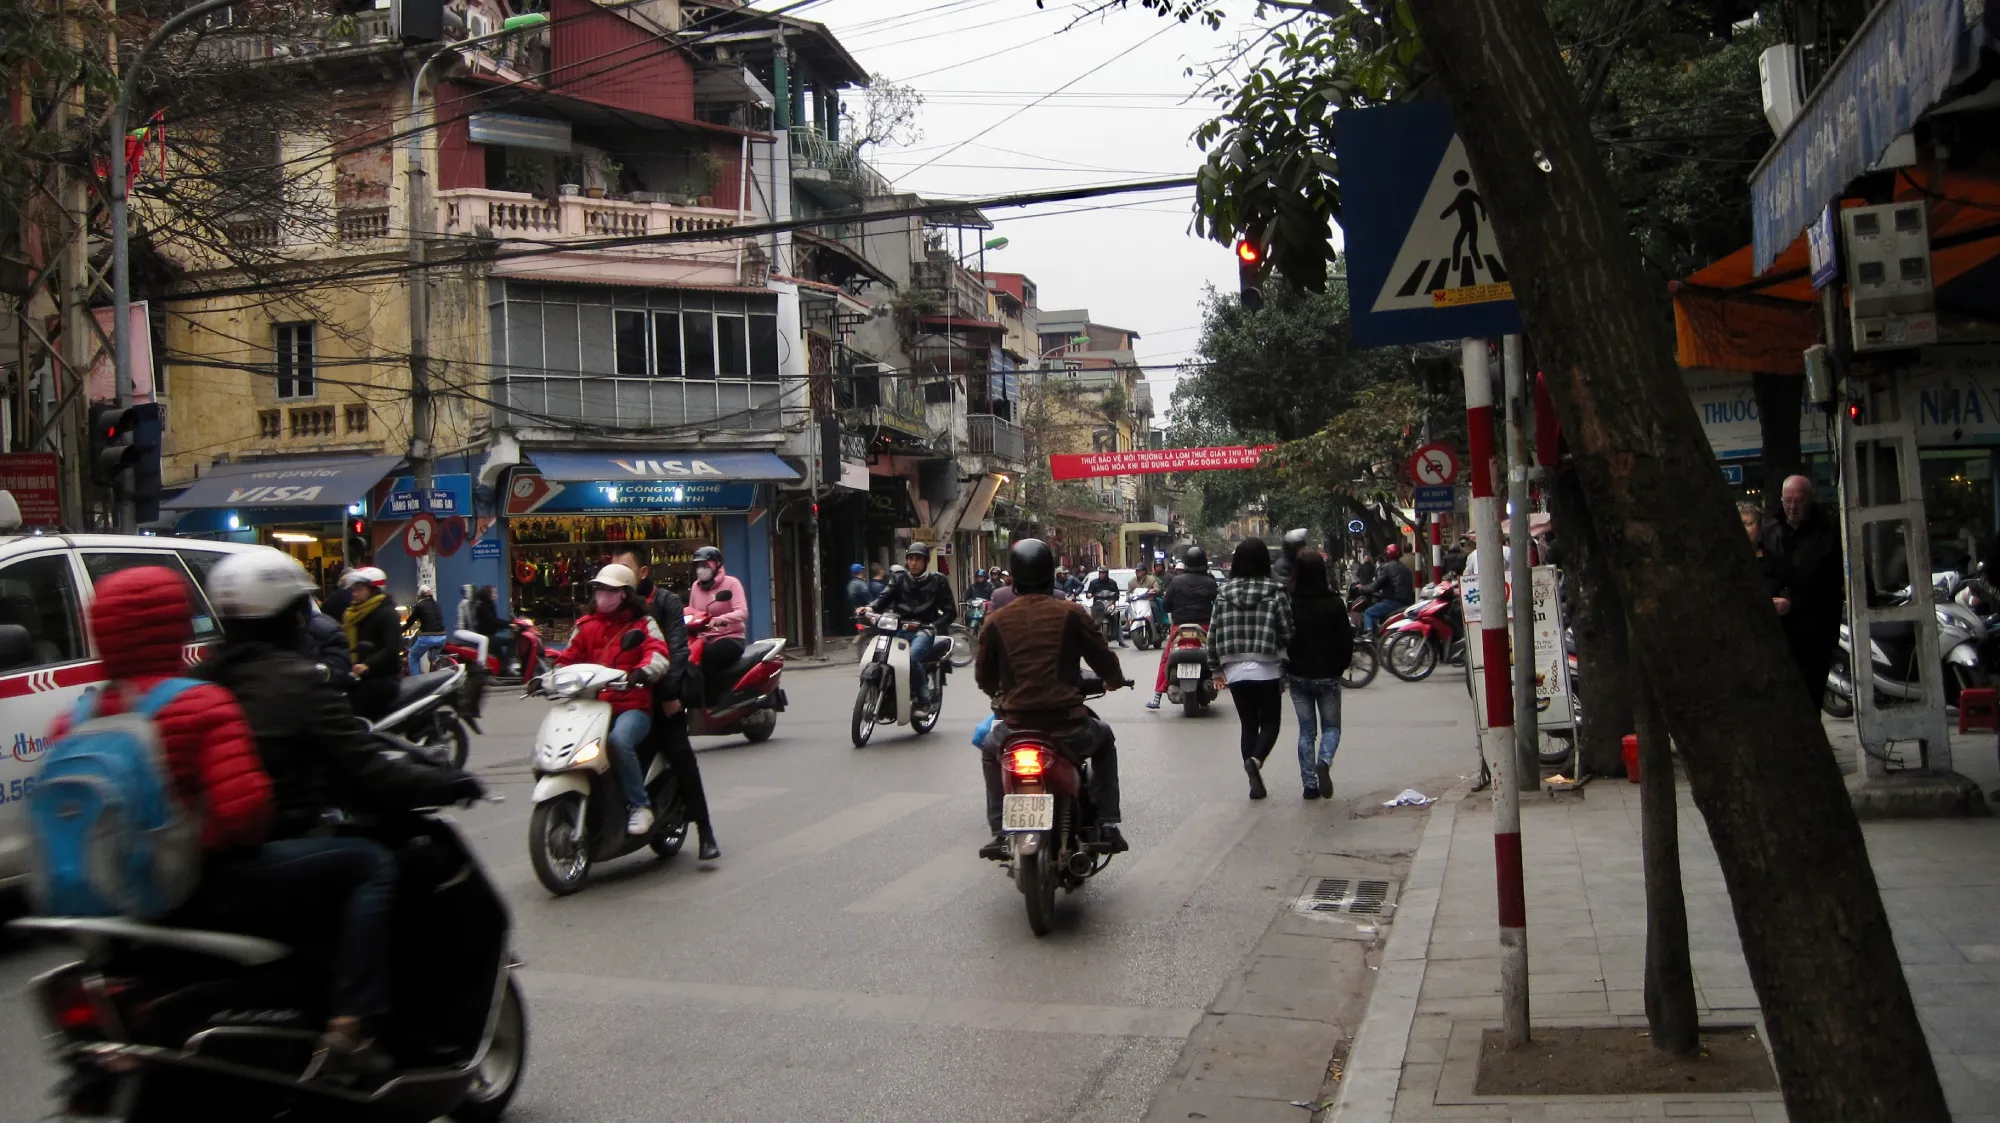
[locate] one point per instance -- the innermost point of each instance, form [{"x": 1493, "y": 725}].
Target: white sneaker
[{"x": 640, "y": 821}]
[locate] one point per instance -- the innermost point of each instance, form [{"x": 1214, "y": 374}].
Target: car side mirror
[
  {"x": 16, "y": 646},
  {"x": 632, "y": 640}
]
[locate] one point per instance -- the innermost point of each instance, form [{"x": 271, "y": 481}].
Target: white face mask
[{"x": 704, "y": 573}]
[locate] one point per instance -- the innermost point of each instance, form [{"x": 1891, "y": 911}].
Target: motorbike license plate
[
  {"x": 1188, "y": 672},
  {"x": 1028, "y": 813}
]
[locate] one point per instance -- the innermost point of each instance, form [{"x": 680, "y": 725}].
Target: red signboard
[
  {"x": 33, "y": 478},
  {"x": 1139, "y": 462}
]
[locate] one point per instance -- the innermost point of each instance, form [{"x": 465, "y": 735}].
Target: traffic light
[
  {"x": 1250, "y": 268},
  {"x": 114, "y": 442},
  {"x": 357, "y": 542}
]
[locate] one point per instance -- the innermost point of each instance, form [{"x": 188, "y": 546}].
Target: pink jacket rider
[{"x": 726, "y": 618}]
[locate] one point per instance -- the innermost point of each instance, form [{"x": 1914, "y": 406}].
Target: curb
[{"x": 1374, "y": 1069}]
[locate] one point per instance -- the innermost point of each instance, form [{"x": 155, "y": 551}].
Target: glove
[{"x": 466, "y": 788}]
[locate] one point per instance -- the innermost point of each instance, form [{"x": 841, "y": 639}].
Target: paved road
[{"x": 851, "y": 958}]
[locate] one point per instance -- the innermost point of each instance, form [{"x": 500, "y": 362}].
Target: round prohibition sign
[
  {"x": 1434, "y": 465},
  {"x": 418, "y": 536}
]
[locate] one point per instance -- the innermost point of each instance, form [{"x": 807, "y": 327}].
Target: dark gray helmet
[
  {"x": 1033, "y": 565},
  {"x": 1196, "y": 559}
]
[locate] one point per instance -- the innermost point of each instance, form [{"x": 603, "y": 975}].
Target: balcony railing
[
  {"x": 357, "y": 30},
  {"x": 992, "y": 436},
  {"x": 836, "y": 162},
  {"x": 362, "y": 224},
  {"x": 512, "y": 214}
]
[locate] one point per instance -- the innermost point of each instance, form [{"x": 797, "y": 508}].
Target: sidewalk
[{"x": 1415, "y": 1056}]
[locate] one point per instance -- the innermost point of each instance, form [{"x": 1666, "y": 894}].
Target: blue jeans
[
  {"x": 301, "y": 888},
  {"x": 1316, "y": 702},
  {"x": 1374, "y": 614},
  {"x": 920, "y": 655},
  {"x": 421, "y": 645},
  {"x": 627, "y": 730}
]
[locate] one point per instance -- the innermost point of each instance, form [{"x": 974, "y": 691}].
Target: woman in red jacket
[
  {"x": 143, "y": 620},
  {"x": 599, "y": 638}
]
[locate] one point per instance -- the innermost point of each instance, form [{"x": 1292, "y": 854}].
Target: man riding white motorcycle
[{"x": 918, "y": 596}]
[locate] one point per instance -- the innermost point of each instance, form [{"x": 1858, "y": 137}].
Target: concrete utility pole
[
  {"x": 1527, "y": 734},
  {"x": 1498, "y": 693},
  {"x": 73, "y": 300}
]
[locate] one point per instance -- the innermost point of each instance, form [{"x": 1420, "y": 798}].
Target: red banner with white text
[{"x": 1139, "y": 462}]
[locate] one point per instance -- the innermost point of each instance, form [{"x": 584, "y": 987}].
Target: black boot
[
  {"x": 995, "y": 851},
  {"x": 709, "y": 851},
  {"x": 1112, "y": 839}
]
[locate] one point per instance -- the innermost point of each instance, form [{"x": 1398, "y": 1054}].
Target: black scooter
[{"x": 167, "y": 1023}]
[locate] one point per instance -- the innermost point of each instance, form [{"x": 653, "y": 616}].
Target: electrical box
[
  {"x": 1888, "y": 261},
  {"x": 417, "y": 21},
  {"x": 1819, "y": 375},
  {"x": 870, "y": 384},
  {"x": 1778, "y": 79}
]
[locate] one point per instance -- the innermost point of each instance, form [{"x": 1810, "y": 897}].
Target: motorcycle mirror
[
  {"x": 725, "y": 595},
  {"x": 632, "y": 640}
]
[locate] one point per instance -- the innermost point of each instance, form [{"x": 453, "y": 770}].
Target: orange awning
[{"x": 1727, "y": 319}]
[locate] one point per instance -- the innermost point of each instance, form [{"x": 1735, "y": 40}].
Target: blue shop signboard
[{"x": 529, "y": 493}]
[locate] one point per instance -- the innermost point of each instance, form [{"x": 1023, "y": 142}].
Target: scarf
[{"x": 356, "y": 613}]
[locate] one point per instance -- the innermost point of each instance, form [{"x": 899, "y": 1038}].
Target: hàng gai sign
[{"x": 1139, "y": 462}]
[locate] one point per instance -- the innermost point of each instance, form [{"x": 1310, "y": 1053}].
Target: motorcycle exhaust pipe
[{"x": 1081, "y": 863}]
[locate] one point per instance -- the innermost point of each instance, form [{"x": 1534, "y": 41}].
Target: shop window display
[{"x": 556, "y": 556}]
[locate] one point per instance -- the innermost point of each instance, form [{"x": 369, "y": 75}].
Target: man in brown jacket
[{"x": 1028, "y": 655}]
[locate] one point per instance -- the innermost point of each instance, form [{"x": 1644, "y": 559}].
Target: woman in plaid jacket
[{"x": 1248, "y": 636}]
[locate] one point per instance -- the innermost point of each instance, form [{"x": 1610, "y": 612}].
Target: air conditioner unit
[
  {"x": 1888, "y": 260},
  {"x": 1778, "y": 77},
  {"x": 868, "y": 380}
]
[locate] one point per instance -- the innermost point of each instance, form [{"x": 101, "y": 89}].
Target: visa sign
[
  {"x": 670, "y": 469},
  {"x": 252, "y": 496}
]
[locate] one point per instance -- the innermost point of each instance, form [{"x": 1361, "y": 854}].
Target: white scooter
[
  {"x": 884, "y": 695},
  {"x": 580, "y": 812},
  {"x": 1143, "y": 626}
]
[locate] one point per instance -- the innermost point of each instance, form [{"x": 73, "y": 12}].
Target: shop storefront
[
  {"x": 565, "y": 513},
  {"x": 317, "y": 510}
]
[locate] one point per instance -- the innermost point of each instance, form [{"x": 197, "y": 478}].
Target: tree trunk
[
  {"x": 1596, "y": 617},
  {"x": 1780, "y": 400},
  {"x": 1670, "y": 1007},
  {"x": 1807, "y": 908}
]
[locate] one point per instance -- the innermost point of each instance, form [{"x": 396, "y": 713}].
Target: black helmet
[
  {"x": 708, "y": 554},
  {"x": 918, "y": 550},
  {"x": 1196, "y": 559},
  {"x": 1294, "y": 541},
  {"x": 1033, "y": 565}
]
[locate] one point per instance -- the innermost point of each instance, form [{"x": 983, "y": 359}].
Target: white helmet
[
  {"x": 615, "y": 576},
  {"x": 371, "y": 575},
  {"x": 356, "y": 576},
  {"x": 257, "y": 584}
]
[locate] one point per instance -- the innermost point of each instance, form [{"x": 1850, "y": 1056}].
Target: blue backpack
[{"x": 112, "y": 837}]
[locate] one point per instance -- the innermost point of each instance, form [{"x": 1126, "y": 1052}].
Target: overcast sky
[{"x": 980, "y": 65}]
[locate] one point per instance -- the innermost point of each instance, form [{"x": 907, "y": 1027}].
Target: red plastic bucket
[{"x": 1631, "y": 744}]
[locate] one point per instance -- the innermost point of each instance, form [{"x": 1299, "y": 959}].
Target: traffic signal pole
[{"x": 1497, "y": 695}]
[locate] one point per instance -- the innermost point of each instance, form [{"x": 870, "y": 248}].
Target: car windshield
[{"x": 1123, "y": 577}]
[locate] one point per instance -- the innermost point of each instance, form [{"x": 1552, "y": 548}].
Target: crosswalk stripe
[
  {"x": 1171, "y": 871},
  {"x": 930, "y": 885}
]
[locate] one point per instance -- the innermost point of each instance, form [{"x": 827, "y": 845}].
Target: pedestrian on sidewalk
[
  {"x": 1251, "y": 629},
  {"x": 1809, "y": 543},
  {"x": 1770, "y": 565},
  {"x": 1322, "y": 646}
]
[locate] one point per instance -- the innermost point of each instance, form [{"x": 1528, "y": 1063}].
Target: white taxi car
[{"x": 47, "y": 657}]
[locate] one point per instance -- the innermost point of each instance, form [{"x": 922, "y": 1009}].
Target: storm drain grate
[{"x": 1349, "y": 895}]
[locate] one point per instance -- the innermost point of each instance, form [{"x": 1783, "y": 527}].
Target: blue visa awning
[
  {"x": 642, "y": 465},
  {"x": 267, "y": 484}
]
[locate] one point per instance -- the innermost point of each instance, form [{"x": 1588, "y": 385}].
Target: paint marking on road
[
  {"x": 731, "y": 799},
  {"x": 905, "y": 1009},
  {"x": 932, "y": 884},
  {"x": 1171, "y": 871}
]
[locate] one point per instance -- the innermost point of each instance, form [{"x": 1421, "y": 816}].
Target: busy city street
[{"x": 850, "y": 957}]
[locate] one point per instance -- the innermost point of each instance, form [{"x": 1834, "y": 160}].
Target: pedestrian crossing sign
[{"x": 1422, "y": 262}]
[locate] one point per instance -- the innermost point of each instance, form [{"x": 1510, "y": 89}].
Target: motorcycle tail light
[
  {"x": 1025, "y": 761},
  {"x": 69, "y": 1007}
]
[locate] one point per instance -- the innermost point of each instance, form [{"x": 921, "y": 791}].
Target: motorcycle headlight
[{"x": 588, "y": 752}]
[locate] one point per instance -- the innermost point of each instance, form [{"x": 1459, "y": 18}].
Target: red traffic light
[
  {"x": 1248, "y": 252},
  {"x": 357, "y": 527}
]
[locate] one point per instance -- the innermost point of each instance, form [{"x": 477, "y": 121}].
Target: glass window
[
  {"x": 666, "y": 345},
  {"x": 764, "y": 348},
  {"x": 629, "y": 329},
  {"x": 39, "y": 595},
  {"x": 732, "y": 347},
  {"x": 698, "y": 332},
  {"x": 295, "y": 361},
  {"x": 103, "y": 563}
]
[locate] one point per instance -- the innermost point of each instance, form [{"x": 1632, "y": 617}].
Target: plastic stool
[{"x": 1978, "y": 708}]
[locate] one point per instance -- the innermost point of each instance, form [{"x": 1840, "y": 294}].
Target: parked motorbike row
[{"x": 1967, "y": 617}]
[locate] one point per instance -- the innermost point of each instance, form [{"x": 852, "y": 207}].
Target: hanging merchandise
[{"x": 556, "y": 555}]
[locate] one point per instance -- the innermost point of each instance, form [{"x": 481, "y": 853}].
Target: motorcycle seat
[
  {"x": 250, "y": 951},
  {"x": 414, "y": 687},
  {"x": 752, "y": 655}
]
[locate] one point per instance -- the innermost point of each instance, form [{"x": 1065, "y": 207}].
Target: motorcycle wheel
[
  {"x": 961, "y": 646},
  {"x": 1190, "y": 703},
  {"x": 866, "y": 705},
  {"x": 1362, "y": 668},
  {"x": 924, "y": 720},
  {"x": 1836, "y": 704},
  {"x": 449, "y": 733},
  {"x": 1410, "y": 657},
  {"x": 560, "y": 865},
  {"x": 499, "y": 1072},
  {"x": 1038, "y": 885},
  {"x": 666, "y": 844},
  {"x": 760, "y": 725}
]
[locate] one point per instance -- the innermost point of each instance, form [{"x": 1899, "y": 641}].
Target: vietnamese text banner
[{"x": 1139, "y": 462}]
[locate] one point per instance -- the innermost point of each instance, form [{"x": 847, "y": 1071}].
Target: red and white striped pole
[
  {"x": 1437, "y": 547},
  {"x": 1498, "y": 696}
]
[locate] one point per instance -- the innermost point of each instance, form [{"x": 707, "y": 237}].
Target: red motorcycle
[
  {"x": 1430, "y": 632},
  {"x": 1053, "y": 838},
  {"x": 530, "y": 657},
  {"x": 753, "y": 698}
]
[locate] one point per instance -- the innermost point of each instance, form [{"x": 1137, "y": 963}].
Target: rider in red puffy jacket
[{"x": 143, "y": 620}]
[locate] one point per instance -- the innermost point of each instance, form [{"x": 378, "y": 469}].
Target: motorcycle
[
  {"x": 884, "y": 695},
  {"x": 1104, "y": 614},
  {"x": 1430, "y": 632},
  {"x": 1367, "y": 651},
  {"x": 579, "y": 816},
  {"x": 752, "y": 699},
  {"x": 965, "y": 633},
  {"x": 153, "y": 1018},
  {"x": 1046, "y": 813},
  {"x": 1892, "y": 652},
  {"x": 434, "y": 709},
  {"x": 1190, "y": 679},
  {"x": 529, "y": 659},
  {"x": 1144, "y": 627}
]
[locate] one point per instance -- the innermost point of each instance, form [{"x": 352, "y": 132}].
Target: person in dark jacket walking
[
  {"x": 375, "y": 639},
  {"x": 428, "y": 619},
  {"x": 1288, "y": 552},
  {"x": 1322, "y": 646},
  {"x": 1809, "y": 543},
  {"x": 319, "y": 757},
  {"x": 669, "y": 735},
  {"x": 1771, "y": 567},
  {"x": 1249, "y": 635},
  {"x": 1189, "y": 599}
]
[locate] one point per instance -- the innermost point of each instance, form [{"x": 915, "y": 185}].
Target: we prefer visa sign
[{"x": 253, "y": 494}]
